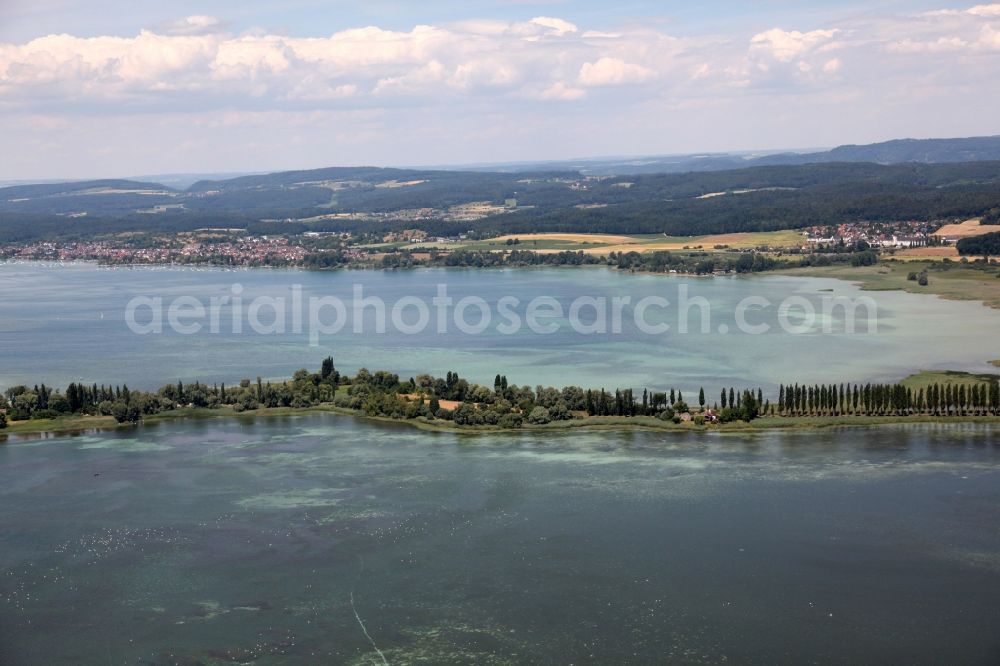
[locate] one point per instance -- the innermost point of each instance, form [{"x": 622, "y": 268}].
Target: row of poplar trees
[{"x": 883, "y": 399}]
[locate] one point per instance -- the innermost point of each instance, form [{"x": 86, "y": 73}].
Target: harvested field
[
  {"x": 928, "y": 252},
  {"x": 569, "y": 238},
  {"x": 965, "y": 229}
]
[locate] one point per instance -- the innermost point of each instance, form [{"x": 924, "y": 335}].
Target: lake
[
  {"x": 63, "y": 323},
  {"x": 323, "y": 539}
]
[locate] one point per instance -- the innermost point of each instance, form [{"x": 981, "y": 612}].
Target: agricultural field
[
  {"x": 605, "y": 243},
  {"x": 964, "y": 229},
  {"x": 926, "y": 378},
  {"x": 935, "y": 253}
]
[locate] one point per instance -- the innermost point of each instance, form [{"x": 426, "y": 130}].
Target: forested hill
[
  {"x": 900, "y": 151},
  {"x": 353, "y": 199}
]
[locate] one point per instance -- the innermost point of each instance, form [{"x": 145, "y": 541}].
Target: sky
[{"x": 107, "y": 88}]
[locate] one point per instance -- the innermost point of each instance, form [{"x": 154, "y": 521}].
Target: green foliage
[
  {"x": 511, "y": 420},
  {"x": 539, "y": 416}
]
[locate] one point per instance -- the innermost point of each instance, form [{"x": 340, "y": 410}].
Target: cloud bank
[{"x": 485, "y": 69}]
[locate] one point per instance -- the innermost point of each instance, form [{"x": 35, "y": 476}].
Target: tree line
[
  {"x": 937, "y": 399},
  {"x": 986, "y": 245},
  {"x": 455, "y": 399}
]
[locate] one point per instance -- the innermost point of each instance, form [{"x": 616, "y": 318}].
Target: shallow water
[
  {"x": 247, "y": 540},
  {"x": 63, "y": 323}
]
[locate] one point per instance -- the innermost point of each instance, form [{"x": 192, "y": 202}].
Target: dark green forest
[{"x": 987, "y": 245}]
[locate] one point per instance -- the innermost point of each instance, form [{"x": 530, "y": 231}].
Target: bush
[
  {"x": 44, "y": 414},
  {"x": 466, "y": 414},
  {"x": 922, "y": 280},
  {"x": 866, "y": 258},
  {"x": 59, "y": 404},
  {"x": 560, "y": 411},
  {"x": 248, "y": 402},
  {"x": 3, "y": 420},
  {"x": 539, "y": 416},
  {"x": 123, "y": 412},
  {"x": 512, "y": 420}
]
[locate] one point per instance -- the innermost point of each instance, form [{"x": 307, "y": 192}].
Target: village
[
  {"x": 248, "y": 251},
  {"x": 895, "y": 235}
]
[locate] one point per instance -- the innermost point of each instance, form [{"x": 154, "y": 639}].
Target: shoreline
[
  {"x": 73, "y": 426},
  {"x": 864, "y": 278}
]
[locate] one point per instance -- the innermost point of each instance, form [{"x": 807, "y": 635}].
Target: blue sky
[
  {"x": 107, "y": 87},
  {"x": 25, "y": 19}
]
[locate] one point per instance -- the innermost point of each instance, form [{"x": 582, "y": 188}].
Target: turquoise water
[
  {"x": 62, "y": 323},
  {"x": 246, "y": 541}
]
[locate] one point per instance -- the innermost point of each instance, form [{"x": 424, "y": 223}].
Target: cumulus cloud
[
  {"x": 192, "y": 92},
  {"x": 563, "y": 92},
  {"x": 949, "y": 30},
  {"x": 197, "y": 66},
  {"x": 832, "y": 66},
  {"x": 785, "y": 46},
  {"x": 978, "y": 10},
  {"x": 523, "y": 59},
  {"x": 554, "y": 26},
  {"x": 611, "y": 72}
]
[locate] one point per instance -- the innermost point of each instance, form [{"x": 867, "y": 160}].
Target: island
[{"x": 453, "y": 403}]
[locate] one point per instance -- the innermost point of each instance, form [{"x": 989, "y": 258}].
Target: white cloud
[
  {"x": 200, "y": 68},
  {"x": 412, "y": 82},
  {"x": 494, "y": 74},
  {"x": 978, "y": 10},
  {"x": 989, "y": 38},
  {"x": 785, "y": 46},
  {"x": 832, "y": 66},
  {"x": 984, "y": 10},
  {"x": 486, "y": 72},
  {"x": 556, "y": 26},
  {"x": 612, "y": 71},
  {"x": 563, "y": 92},
  {"x": 950, "y": 30},
  {"x": 940, "y": 45}
]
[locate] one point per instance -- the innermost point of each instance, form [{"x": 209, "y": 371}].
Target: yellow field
[
  {"x": 937, "y": 252},
  {"x": 964, "y": 229},
  {"x": 604, "y": 243},
  {"x": 568, "y": 238}
]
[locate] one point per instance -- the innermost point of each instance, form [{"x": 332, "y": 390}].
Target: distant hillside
[
  {"x": 900, "y": 151},
  {"x": 441, "y": 202}
]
